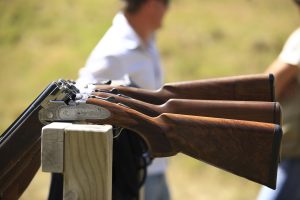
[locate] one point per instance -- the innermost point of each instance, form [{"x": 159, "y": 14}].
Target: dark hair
[
  {"x": 297, "y": 2},
  {"x": 133, "y": 6}
]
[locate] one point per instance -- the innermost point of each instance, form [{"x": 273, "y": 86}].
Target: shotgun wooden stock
[
  {"x": 240, "y": 88},
  {"x": 247, "y": 149},
  {"x": 269, "y": 112}
]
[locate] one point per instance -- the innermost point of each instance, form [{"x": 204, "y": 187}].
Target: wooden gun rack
[{"x": 83, "y": 153}]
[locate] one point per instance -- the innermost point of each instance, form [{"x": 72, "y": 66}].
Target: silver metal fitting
[{"x": 67, "y": 104}]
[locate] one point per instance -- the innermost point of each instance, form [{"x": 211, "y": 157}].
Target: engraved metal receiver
[{"x": 68, "y": 104}]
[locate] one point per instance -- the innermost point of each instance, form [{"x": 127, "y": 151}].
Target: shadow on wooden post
[{"x": 83, "y": 153}]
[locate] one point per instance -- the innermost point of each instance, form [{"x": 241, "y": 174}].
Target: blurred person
[
  {"x": 127, "y": 54},
  {"x": 287, "y": 76}
]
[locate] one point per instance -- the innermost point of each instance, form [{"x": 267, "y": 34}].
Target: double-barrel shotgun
[{"x": 248, "y": 149}]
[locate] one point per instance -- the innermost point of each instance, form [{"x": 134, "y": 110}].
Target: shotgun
[
  {"x": 258, "y": 87},
  {"x": 247, "y": 149},
  {"x": 20, "y": 143},
  {"x": 269, "y": 112}
]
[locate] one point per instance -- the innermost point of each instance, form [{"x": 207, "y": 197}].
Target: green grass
[
  {"x": 41, "y": 41},
  {"x": 217, "y": 38}
]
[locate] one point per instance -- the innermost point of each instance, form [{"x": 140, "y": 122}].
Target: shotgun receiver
[
  {"x": 227, "y": 142},
  {"x": 239, "y": 88},
  {"x": 269, "y": 112}
]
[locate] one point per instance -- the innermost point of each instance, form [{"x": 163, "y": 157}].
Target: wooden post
[{"x": 87, "y": 159}]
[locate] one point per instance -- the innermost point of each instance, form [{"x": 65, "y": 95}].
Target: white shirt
[
  {"x": 120, "y": 55},
  {"x": 291, "y": 50}
]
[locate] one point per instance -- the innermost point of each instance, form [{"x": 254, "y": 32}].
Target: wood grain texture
[
  {"x": 15, "y": 181},
  {"x": 88, "y": 162},
  {"x": 52, "y": 144},
  {"x": 260, "y": 111},
  {"x": 243, "y": 148},
  {"x": 258, "y": 87},
  {"x": 20, "y": 157}
]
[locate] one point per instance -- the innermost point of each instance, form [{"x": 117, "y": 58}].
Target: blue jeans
[
  {"x": 156, "y": 188},
  {"x": 288, "y": 182}
]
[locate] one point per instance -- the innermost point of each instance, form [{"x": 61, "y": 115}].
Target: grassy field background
[{"x": 41, "y": 41}]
